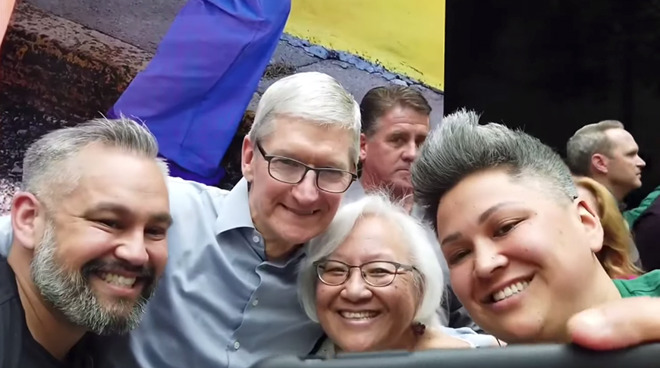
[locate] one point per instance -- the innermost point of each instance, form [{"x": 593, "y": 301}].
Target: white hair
[
  {"x": 429, "y": 280},
  {"x": 314, "y": 97}
]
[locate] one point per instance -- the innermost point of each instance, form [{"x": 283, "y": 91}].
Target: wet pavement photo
[{"x": 19, "y": 126}]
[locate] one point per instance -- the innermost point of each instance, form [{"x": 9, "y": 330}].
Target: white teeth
[
  {"x": 118, "y": 280},
  {"x": 510, "y": 290},
  {"x": 358, "y": 315}
]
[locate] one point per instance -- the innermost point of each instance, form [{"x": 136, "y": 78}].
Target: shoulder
[
  {"x": 189, "y": 199},
  {"x": 8, "y": 292},
  {"x": 647, "y": 284}
]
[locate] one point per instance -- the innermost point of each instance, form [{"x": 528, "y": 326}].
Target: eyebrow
[
  {"x": 330, "y": 164},
  {"x": 122, "y": 210},
  {"x": 482, "y": 218}
]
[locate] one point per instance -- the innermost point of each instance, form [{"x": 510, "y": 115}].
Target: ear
[
  {"x": 591, "y": 224},
  {"x": 247, "y": 156},
  {"x": 363, "y": 146},
  {"x": 26, "y": 214},
  {"x": 599, "y": 162}
]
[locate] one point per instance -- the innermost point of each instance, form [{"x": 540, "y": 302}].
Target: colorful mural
[{"x": 406, "y": 37}]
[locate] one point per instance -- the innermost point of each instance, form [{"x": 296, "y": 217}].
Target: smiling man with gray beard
[{"x": 89, "y": 243}]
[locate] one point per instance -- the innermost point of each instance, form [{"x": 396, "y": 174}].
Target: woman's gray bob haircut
[
  {"x": 313, "y": 96},
  {"x": 460, "y": 147},
  {"x": 46, "y": 172},
  {"x": 429, "y": 280}
]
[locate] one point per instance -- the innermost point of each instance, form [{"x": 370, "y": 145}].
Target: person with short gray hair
[
  {"x": 521, "y": 246},
  {"x": 400, "y": 280},
  {"x": 607, "y": 153},
  {"x": 88, "y": 242}
]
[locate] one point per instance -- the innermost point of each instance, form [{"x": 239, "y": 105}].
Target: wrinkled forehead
[
  {"x": 374, "y": 237},
  {"x": 313, "y": 143},
  {"x": 476, "y": 193}
]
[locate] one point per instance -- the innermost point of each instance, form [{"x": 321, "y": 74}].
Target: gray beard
[{"x": 70, "y": 293}]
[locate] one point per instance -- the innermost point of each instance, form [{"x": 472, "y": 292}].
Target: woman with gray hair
[{"x": 391, "y": 302}]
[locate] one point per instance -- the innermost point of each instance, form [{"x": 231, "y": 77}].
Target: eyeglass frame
[
  {"x": 399, "y": 266},
  {"x": 308, "y": 168}
]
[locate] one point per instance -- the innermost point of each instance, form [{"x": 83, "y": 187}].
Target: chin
[
  {"x": 298, "y": 235},
  {"x": 357, "y": 346}
]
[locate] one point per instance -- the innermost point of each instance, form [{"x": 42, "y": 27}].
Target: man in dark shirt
[
  {"x": 647, "y": 232},
  {"x": 89, "y": 242}
]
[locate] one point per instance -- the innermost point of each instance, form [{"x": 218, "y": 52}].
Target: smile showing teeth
[
  {"x": 358, "y": 315},
  {"x": 118, "y": 280},
  {"x": 510, "y": 290}
]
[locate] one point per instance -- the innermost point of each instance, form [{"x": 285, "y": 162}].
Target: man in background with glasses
[{"x": 228, "y": 297}]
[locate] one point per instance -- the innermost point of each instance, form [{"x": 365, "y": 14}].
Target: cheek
[
  {"x": 402, "y": 298},
  {"x": 331, "y": 202},
  {"x": 324, "y": 296},
  {"x": 461, "y": 280},
  {"x": 77, "y": 247},
  {"x": 158, "y": 255}
]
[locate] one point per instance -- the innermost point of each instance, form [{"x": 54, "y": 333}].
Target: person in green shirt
[{"x": 520, "y": 244}]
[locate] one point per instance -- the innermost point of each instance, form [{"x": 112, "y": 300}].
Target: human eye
[
  {"x": 380, "y": 269},
  {"x": 156, "y": 232},
  {"x": 505, "y": 228},
  {"x": 285, "y": 162},
  {"x": 108, "y": 223},
  {"x": 334, "y": 268},
  {"x": 457, "y": 255}
]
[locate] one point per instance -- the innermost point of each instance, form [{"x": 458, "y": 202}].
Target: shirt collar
[{"x": 235, "y": 210}]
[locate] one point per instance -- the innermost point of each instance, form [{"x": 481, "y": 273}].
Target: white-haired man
[{"x": 228, "y": 297}]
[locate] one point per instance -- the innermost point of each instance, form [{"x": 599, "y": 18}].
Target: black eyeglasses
[
  {"x": 376, "y": 273},
  {"x": 290, "y": 171}
]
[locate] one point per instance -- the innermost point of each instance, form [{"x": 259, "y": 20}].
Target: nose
[
  {"x": 306, "y": 192},
  {"x": 488, "y": 259},
  {"x": 355, "y": 289},
  {"x": 640, "y": 162},
  {"x": 410, "y": 152},
  {"x": 132, "y": 249}
]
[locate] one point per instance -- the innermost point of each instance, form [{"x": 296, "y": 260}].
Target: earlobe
[
  {"x": 591, "y": 224},
  {"x": 247, "y": 155},
  {"x": 25, "y": 213}
]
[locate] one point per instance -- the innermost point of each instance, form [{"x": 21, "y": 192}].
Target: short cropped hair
[
  {"x": 587, "y": 141},
  {"x": 46, "y": 172},
  {"x": 313, "y": 96},
  {"x": 429, "y": 281},
  {"x": 460, "y": 147},
  {"x": 379, "y": 100}
]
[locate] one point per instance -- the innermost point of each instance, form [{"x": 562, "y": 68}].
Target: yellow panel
[{"x": 405, "y": 36}]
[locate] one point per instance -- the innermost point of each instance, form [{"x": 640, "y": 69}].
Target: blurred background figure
[
  {"x": 609, "y": 154},
  {"x": 194, "y": 92},
  {"x": 615, "y": 255}
]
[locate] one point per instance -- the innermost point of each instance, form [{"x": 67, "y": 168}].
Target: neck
[
  {"x": 600, "y": 291},
  {"x": 279, "y": 251},
  {"x": 48, "y": 327},
  {"x": 618, "y": 193},
  {"x": 396, "y": 193}
]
